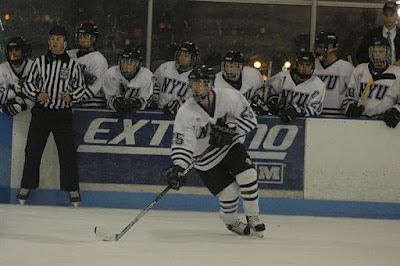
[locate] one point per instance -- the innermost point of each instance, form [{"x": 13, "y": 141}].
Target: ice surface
[{"x": 39, "y": 235}]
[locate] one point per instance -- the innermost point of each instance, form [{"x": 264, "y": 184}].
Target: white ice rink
[{"x": 38, "y": 235}]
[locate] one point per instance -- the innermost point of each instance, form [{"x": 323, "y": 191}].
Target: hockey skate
[
  {"x": 75, "y": 197},
  {"x": 239, "y": 227},
  {"x": 257, "y": 228},
  {"x": 23, "y": 195}
]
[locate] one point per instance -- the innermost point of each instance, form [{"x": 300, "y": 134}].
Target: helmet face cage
[
  {"x": 379, "y": 55},
  {"x": 129, "y": 62},
  {"x": 231, "y": 70},
  {"x": 190, "y": 49},
  {"x": 87, "y": 31},
  {"x": 201, "y": 88}
]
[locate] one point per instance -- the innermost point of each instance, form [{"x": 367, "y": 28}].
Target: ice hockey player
[
  {"x": 296, "y": 93},
  {"x": 171, "y": 88},
  {"x": 334, "y": 72},
  {"x": 245, "y": 79},
  {"x": 13, "y": 74},
  {"x": 92, "y": 62},
  {"x": 128, "y": 86},
  {"x": 216, "y": 121},
  {"x": 383, "y": 97}
]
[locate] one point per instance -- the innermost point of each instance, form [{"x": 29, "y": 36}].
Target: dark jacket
[{"x": 362, "y": 52}]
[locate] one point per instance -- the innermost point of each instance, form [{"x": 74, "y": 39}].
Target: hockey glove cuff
[
  {"x": 222, "y": 133},
  {"x": 15, "y": 106},
  {"x": 353, "y": 111},
  {"x": 291, "y": 112},
  {"x": 171, "y": 108}
]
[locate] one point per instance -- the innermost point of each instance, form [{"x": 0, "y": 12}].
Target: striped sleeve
[
  {"x": 79, "y": 83},
  {"x": 31, "y": 87}
]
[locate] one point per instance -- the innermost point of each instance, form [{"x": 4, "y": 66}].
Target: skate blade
[
  {"x": 76, "y": 204},
  {"x": 22, "y": 202},
  {"x": 259, "y": 234}
]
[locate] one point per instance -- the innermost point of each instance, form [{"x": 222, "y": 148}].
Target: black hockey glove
[
  {"x": 222, "y": 133},
  {"x": 291, "y": 112},
  {"x": 392, "y": 116},
  {"x": 15, "y": 106},
  {"x": 136, "y": 103},
  {"x": 123, "y": 105},
  {"x": 273, "y": 104},
  {"x": 171, "y": 108},
  {"x": 175, "y": 176},
  {"x": 152, "y": 103},
  {"x": 258, "y": 105},
  {"x": 353, "y": 111}
]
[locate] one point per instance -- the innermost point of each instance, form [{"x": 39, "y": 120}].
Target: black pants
[
  {"x": 223, "y": 174},
  {"x": 60, "y": 123}
]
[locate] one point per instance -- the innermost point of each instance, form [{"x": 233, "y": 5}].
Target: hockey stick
[
  {"x": 107, "y": 236},
  {"x": 372, "y": 80}
]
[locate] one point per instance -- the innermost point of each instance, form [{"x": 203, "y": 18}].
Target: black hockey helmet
[
  {"x": 205, "y": 76},
  {"x": 235, "y": 60},
  {"x": 87, "y": 29},
  {"x": 129, "y": 62},
  {"x": 190, "y": 48},
  {"x": 18, "y": 43},
  {"x": 305, "y": 56},
  {"x": 326, "y": 38}
]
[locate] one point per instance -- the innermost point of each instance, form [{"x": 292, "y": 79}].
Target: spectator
[
  {"x": 296, "y": 93},
  {"x": 13, "y": 73},
  {"x": 216, "y": 121},
  {"x": 383, "y": 95},
  {"x": 171, "y": 88},
  {"x": 92, "y": 62},
  {"x": 245, "y": 79},
  {"x": 128, "y": 86},
  {"x": 55, "y": 82},
  {"x": 388, "y": 30},
  {"x": 334, "y": 72}
]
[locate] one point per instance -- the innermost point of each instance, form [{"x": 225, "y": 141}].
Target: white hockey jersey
[
  {"x": 310, "y": 94},
  {"x": 115, "y": 84},
  {"x": 8, "y": 77},
  {"x": 170, "y": 85},
  {"x": 382, "y": 95},
  {"x": 93, "y": 66},
  {"x": 252, "y": 82},
  {"x": 336, "y": 77},
  {"x": 192, "y": 128}
]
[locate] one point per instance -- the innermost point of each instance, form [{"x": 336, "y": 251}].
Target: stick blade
[{"x": 105, "y": 235}]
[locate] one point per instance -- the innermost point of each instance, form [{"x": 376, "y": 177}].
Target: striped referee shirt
[{"x": 54, "y": 74}]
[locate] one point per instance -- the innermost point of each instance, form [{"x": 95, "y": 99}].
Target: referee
[{"x": 55, "y": 82}]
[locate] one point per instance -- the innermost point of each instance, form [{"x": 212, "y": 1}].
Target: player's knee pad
[{"x": 228, "y": 202}]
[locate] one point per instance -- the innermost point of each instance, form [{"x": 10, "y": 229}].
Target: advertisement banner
[{"x": 135, "y": 149}]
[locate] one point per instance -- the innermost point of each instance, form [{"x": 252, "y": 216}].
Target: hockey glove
[
  {"x": 392, "y": 116},
  {"x": 136, "y": 103},
  {"x": 175, "y": 176},
  {"x": 222, "y": 133},
  {"x": 258, "y": 105},
  {"x": 291, "y": 112},
  {"x": 122, "y": 105},
  {"x": 353, "y": 111},
  {"x": 152, "y": 102},
  {"x": 273, "y": 104},
  {"x": 171, "y": 108},
  {"x": 15, "y": 106}
]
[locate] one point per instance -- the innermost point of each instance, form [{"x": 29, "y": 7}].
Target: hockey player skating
[
  {"x": 245, "y": 79},
  {"x": 382, "y": 97},
  {"x": 296, "y": 93},
  {"x": 13, "y": 73},
  {"x": 128, "y": 86},
  {"x": 334, "y": 72},
  {"x": 171, "y": 88},
  {"x": 219, "y": 118},
  {"x": 92, "y": 62}
]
